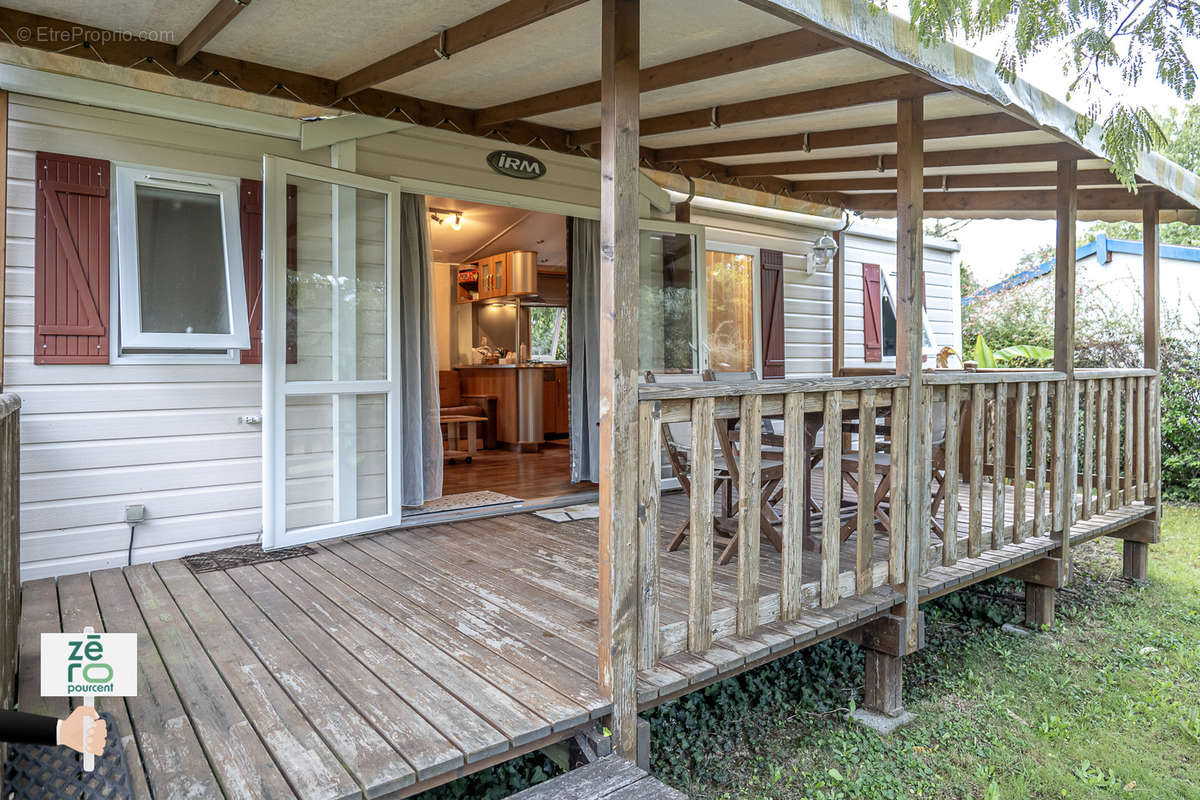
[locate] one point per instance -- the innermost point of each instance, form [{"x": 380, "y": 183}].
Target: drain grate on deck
[
  {"x": 40, "y": 772},
  {"x": 241, "y": 556}
]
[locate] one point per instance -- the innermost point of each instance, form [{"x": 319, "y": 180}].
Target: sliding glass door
[{"x": 330, "y": 394}]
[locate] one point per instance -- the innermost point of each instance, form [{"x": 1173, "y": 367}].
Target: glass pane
[
  {"x": 667, "y": 305},
  {"x": 547, "y": 333},
  {"x": 336, "y": 458},
  {"x": 337, "y": 293},
  {"x": 181, "y": 261},
  {"x": 889, "y": 323},
  {"x": 730, "y": 285}
]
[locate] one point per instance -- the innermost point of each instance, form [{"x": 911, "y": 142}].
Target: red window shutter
[
  {"x": 252, "y": 266},
  {"x": 71, "y": 261},
  {"x": 771, "y": 289},
  {"x": 872, "y": 314}
]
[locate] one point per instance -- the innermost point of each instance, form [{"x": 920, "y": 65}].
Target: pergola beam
[
  {"x": 790, "y": 46},
  {"x": 784, "y": 105},
  {"x": 213, "y": 23},
  {"x": 989, "y": 180},
  {"x": 1000, "y": 201},
  {"x": 502, "y": 19},
  {"x": 947, "y": 128},
  {"x": 980, "y": 156}
]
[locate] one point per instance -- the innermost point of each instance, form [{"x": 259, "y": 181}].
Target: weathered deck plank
[
  {"x": 300, "y": 750},
  {"x": 78, "y": 609},
  {"x": 176, "y": 766},
  {"x": 363, "y": 749},
  {"x": 399, "y": 660},
  {"x": 238, "y": 757}
]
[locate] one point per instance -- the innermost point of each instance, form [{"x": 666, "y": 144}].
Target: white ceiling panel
[{"x": 564, "y": 50}]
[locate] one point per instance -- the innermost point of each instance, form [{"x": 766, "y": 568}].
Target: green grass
[{"x": 1105, "y": 704}]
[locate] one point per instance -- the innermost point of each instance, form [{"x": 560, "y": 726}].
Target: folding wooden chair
[{"x": 677, "y": 457}]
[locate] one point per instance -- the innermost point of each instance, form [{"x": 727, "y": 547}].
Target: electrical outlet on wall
[{"x": 135, "y": 513}]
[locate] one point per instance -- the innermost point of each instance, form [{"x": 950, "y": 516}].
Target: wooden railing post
[
  {"x": 10, "y": 547},
  {"x": 1065, "y": 460},
  {"x": 910, "y": 241},
  {"x": 619, "y": 255},
  {"x": 1137, "y": 553}
]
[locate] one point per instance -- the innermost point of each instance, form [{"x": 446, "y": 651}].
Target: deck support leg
[
  {"x": 885, "y": 642},
  {"x": 1136, "y": 558},
  {"x": 1039, "y": 605},
  {"x": 883, "y": 681}
]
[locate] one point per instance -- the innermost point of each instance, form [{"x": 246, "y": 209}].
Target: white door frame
[{"x": 276, "y": 388}]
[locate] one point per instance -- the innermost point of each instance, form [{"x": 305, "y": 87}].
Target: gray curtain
[
  {"x": 420, "y": 429},
  {"x": 585, "y": 350}
]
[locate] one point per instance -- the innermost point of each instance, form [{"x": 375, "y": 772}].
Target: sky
[{"x": 992, "y": 247}]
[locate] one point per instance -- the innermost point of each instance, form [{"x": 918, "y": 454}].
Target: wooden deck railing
[
  {"x": 1003, "y": 435},
  {"x": 1000, "y": 474},
  {"x": 701, "y": 405},
  {"x": 10, "y": 564},
  {"x": 1119, "y": 458}
]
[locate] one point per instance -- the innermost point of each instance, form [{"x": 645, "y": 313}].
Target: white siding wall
[
  {"x": 96, "y": 438},
  {"x": 875, "y": 244},
  {"x": 1121, "y": 282},
  {"x": 808, "y": 299}
]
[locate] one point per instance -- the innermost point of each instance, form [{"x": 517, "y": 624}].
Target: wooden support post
[
  {"x": 839, "y": 307},
  {"x": 883, "y": 683},
  {"x": 1137, "y": 554},
  {"x": 1039, "y": 605},
  {"x": 1065, "y": 396},
  {"x": 910, "y": 275},
  {"x": 618, "y": 622}
]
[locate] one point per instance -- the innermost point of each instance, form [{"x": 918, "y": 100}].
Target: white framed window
[
  {"x": 180, "y": 282},
  {"x": 887, "y": 319}
]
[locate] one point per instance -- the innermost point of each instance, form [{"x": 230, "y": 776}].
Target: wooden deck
[{"x": 385, "y": 664}]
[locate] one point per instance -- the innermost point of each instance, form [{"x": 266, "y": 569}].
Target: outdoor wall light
[{"x": 823, "y": 251}]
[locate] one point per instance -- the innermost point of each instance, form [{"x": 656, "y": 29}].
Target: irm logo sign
[{"x": 516, "y": 165}]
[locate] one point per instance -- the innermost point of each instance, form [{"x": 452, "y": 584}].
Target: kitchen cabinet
[
  {"x": 493, "y": 276},
  {"x": 554, "y": 401}
]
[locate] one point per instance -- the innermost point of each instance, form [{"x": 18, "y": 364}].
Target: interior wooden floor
[
  {"x": 384, "y": 664},
  {"x": 529, "y": 476}
]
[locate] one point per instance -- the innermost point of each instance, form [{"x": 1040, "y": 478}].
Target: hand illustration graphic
[{"x": 19, "y": 727}]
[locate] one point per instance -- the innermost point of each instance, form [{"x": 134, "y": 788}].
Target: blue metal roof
[{"x": 1102, "y": 248}]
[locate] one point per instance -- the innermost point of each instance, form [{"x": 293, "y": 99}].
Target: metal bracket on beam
[
  {"x": 440, "y": 51},
  {"x": 714, "y": 121},
  {"x": 807, "y": 146},
  {"x": 945, "y": 183},
  {"x": 879, "y": 164}
]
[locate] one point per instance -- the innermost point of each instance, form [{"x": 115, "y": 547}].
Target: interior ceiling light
[{"x": 443, "y": 215}]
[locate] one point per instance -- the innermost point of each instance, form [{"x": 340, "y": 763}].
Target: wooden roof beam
[
  {"x": 502, "y": 19},
  {"x": 1000, "y": 201},
  {"x": 981, "y": 156},
  {"x": 213, "y": 23},
  {"x": 992, "y": 180},
  {"x": 784, "y": 105},
  {"x": 948, "y": 128},
  {"x": 784, "y": 47}
]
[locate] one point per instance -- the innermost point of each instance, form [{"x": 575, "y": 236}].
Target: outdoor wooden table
[{"x": 454, "y": 436}]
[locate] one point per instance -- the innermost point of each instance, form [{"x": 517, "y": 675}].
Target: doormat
[
  {"x": 452, "y": 502},
  {"x": 40, "y": 771},
  {"x": 241, "y": 556},
  {"x": 570, "y": 513}
]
